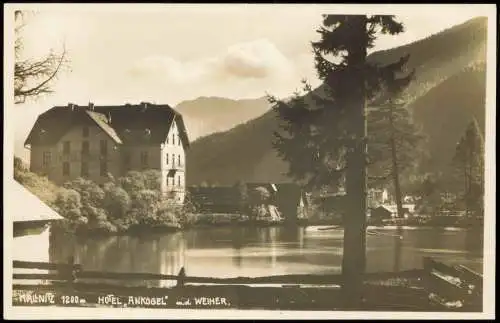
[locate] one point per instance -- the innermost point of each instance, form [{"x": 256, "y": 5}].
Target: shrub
[
  {"x": 40, "y": 186},
  {"x": 90, "y": 192},
  {"x": 116, "y": 206},
  {"x": 132, "y": 182},
  {"x": 116, "y": 201},
  {"x": 68, "y": 204},
  {"x": 119, "y": 205}
]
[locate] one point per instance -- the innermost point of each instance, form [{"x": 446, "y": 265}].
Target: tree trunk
[
  {"x": 466, "y": 179},
  {"x": 470, "y": 179},
  {"x": 481, "y": 183},
  {"x": 397, "y": 192},
  {"x": 395, "y": 167},
  {"x": 398, "y": 247},
  {"x": 354, "y": 253}
]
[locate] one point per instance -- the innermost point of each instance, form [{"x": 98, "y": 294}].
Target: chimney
[
  {"x": 71, "y": 106},
  {"x": 144, "y": 106},
  {"x": 91, "y": 106},
  {"x": 109, "y": 117}
]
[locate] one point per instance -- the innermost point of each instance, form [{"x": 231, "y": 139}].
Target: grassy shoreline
[
  {"x": 205, "y": 225},
  {"x": 131, "y": 205}
]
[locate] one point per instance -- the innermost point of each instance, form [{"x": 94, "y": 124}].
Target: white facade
[{"x": 173, "y": 165}]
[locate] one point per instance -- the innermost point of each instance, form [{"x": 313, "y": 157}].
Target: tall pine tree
[
  {"x": 394, "y": 138},
  {"x": 469, "y": 163},
  {"x": 324, "y": 135}
]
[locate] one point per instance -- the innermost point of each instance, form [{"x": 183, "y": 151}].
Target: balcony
[
  {"x": 175, "y": 189},
  {"x": 174, "y": 169}
]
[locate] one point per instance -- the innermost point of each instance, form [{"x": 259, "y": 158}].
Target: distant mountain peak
[{"x": 211, "y": 114}]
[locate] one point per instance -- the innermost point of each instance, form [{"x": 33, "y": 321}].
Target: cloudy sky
[{"x": 170, "y": 53}]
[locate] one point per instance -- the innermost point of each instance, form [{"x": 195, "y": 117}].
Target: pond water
[{"x": 231, "y": 252}]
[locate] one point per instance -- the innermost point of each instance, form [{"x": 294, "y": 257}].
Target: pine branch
[{"x": 387, "y": 23}]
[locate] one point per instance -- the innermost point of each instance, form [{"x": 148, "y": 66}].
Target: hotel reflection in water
[
  {"x": 208, "y": 253},
  {"x": 162, "y": 254}
]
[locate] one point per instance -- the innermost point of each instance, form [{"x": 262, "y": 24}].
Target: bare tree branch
[{"x": 34, "y": 78}]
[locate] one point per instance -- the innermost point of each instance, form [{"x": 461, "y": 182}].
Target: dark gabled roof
[
  {"x": 215, "y": 195},
  {"x": 128, "y": 123},
  {"x": 51, "y": 125},
  {"x": 381, "y": 209}
]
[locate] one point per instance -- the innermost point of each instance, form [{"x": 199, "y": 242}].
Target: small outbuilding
[
  {"x": 32, "y": 220},
  {"x": 381, "y": 213}
]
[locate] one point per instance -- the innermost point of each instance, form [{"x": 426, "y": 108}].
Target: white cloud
[
  {"x": 168, "y": 69},
  {"x": 116, "y": 61},
  {"x": 250, "y": 60},
  {"x": 256, "y": 59}
]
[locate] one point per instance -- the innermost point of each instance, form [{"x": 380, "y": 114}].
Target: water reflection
[
  {"x": 398, "y": 246},
  {"x": 229, "y": 252},
  {"x": 238, "y": 243},
  {"x": 474, "y": 240}
]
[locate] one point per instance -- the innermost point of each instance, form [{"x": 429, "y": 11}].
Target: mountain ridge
[
  {"x": 207, "y": 115},
  {"x": 245, "y": 151}
]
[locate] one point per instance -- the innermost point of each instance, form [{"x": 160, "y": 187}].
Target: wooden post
[
  {"x": 181, "y": 276},
  {"x": 66, "y": 272}
]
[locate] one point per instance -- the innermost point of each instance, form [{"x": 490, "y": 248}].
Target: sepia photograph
[{"x": 249, "y": 161}]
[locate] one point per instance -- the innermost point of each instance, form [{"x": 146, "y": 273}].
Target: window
[
  {"x": 104, "y": 168},
  {"x": 85, "y": 131},
  {"x": 168, "y": 155},
  {"x": 66, "y": 147},
  {"x": 85, "y": 148},
  {"x": 65, "y": 169},
  {"x": 179, "y": 180},
  {"x": 179, "y": 140},
  {"x": 144, "y": 159},
  {"x": 173, "y": 139},
  {"x": 179, "y": 160},
  {"x": 173, "y": 159},
  {"x": 104, "y": 147},
  {"x": 46, "y": 159},
  {"x": 85, "y": 169},
  {"x": 168, "y": 140}
]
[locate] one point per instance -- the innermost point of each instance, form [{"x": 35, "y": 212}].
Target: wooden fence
[
  {"x": 73, "y": 272},
  {"x": 442, "y": 283},
  {"x": 453, "y": 286}
]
